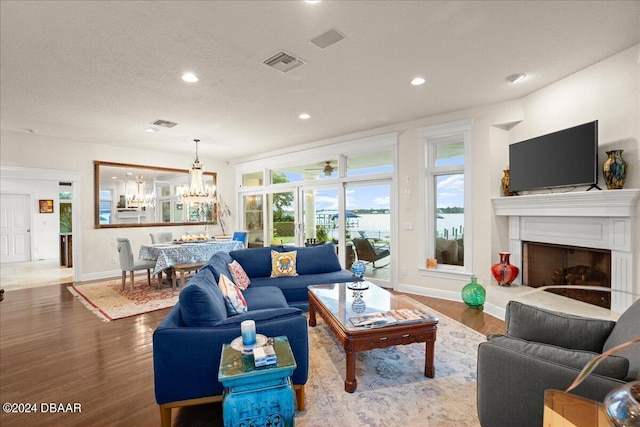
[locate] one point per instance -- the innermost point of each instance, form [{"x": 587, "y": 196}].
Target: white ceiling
[{"x": 101, "y": 72}]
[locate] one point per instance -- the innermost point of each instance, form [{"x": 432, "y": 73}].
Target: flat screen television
[{"x": 564, "y": 158}]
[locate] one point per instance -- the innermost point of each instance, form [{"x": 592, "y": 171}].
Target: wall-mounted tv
[{"x": 565, "y": 158}]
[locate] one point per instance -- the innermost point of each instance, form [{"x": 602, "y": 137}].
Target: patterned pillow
[
  {"x": 239, "y": 276},
  {"x": 233, "y": 298},
  {"x": 283, "y": 263}
]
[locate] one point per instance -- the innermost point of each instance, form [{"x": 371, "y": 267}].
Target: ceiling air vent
[
  {"x": 164, "y": 123},
  {"x": 327, "y": 39},
  {"x": 283, "y": 62}
]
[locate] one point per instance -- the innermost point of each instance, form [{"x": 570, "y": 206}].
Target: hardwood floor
[{"x": 53, "y": 350}]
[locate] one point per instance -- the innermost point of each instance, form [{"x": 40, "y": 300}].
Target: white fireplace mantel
[
  {"x": 594, "y": 203},
  {"x": 590, "y": 219}
]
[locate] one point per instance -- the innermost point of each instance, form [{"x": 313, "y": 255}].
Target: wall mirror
[{"x": 146, "y": 196}]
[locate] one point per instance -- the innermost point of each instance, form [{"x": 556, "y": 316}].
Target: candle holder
[{"x": 237, "y": 344}]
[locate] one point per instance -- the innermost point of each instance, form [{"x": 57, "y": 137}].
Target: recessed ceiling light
[
  {"x": 304, "y": 116},
  {"x": 189, "y": 77},
  {"x": 312, "y": 1},
  {"x": 151, "y": 130},
  {"x": 418, "y": 81},
  {"x": 515, "y": 78}
]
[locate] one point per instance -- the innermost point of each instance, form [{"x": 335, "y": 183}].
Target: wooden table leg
[
  {"x": 429, "y": 368},
  {"x": 312, "y": 315},
  {"x": 350, "y": 383},
  {"x": 182, "y": 279}
]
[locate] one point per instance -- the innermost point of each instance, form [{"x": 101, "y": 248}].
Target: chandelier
[
  {"x": 139, "y": 199},
  {"x": 197, "y": 193}
]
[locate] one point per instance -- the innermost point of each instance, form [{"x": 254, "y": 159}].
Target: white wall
[
  {"x": 97, "y": 246},
  {"x": 607, "y": 91}
]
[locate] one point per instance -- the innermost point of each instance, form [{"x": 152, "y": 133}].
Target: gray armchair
[{"x": 544, "y": 350}]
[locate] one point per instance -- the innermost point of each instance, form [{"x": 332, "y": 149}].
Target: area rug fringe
[{"x": 92, "y": 308}]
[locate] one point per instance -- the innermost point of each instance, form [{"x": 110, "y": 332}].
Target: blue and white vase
[{"x": 358, "y": 269}]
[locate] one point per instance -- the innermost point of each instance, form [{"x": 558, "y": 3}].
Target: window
[
  {"x": 370, "y": 163},
  {"x": 106, "y": 203},
  {"x": 322, "y": 169},
  {"x": 446, "y": 160},
  {"x": 253, "y": 179}
]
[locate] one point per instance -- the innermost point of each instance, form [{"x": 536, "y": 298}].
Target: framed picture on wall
[{"x": 46, "y": 206}]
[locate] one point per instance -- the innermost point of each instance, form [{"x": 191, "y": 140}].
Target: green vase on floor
[{"x": 473, "y": 294}]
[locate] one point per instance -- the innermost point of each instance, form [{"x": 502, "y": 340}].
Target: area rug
[
  {"x": 108, "y": 302},
  {"x": 392, "y": 389}
]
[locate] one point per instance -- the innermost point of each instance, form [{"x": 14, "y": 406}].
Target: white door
[{"x": 15, "y": 224}]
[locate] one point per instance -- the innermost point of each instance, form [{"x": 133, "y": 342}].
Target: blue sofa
[
  {"x": 315, "y": 265},
  {"x": 187, "y": 344}
]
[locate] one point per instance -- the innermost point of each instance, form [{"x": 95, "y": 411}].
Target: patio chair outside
[{"x": 368, "y": 252}]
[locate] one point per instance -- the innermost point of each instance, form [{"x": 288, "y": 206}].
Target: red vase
[{"x": 503, "y": 272}]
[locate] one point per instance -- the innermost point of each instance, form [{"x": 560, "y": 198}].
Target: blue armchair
[
  {"x": 241, "y": 236},
  {"x": 187, "y": 344}
]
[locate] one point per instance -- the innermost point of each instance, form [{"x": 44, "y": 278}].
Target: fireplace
[
  {"x": 601, "y": 220},
  {"x": 545, "y": 264}
]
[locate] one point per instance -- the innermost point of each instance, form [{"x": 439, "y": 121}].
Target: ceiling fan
[{"x": 328, "y": 169}]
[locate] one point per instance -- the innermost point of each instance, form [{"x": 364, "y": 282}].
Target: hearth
[{"x": 550, "y": 264}]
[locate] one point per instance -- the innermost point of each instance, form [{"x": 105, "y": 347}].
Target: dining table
[{"x": 169, "y": 254}]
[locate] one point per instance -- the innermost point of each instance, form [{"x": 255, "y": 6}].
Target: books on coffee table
[
  {"x": 263, "y": 356},
  {"x": 387, "y": 318}
]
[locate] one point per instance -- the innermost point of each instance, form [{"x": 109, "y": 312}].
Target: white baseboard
[{"x": 101, "y": 275}]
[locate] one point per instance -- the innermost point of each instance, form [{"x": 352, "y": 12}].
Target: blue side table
[{"x": 258, "y": 396}]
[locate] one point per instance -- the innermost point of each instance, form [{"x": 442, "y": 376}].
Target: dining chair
[
  {"x": 241, "y": 236},
  {"x": 127, "y": 264},
  {"x": 161, "y": 237}
]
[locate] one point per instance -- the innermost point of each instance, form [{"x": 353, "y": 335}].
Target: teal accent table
[{"x": 258, "y": 397}]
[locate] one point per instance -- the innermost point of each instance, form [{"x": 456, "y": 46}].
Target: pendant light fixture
[
  {"x": 139, "y": 199},
  {"x": 197, "y": 192}
]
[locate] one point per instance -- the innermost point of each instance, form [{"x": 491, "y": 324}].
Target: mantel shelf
[{"x": 594, "y": 203}]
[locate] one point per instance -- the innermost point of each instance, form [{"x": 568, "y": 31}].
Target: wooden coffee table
[{"x": 334, "y": 303}]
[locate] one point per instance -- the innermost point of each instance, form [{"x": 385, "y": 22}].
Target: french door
[
  {"x": 345, "y": 214},
  {"x": 350, "y": 215}
]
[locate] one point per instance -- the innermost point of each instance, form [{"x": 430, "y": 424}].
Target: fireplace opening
[{"x": 548, "y": 264}]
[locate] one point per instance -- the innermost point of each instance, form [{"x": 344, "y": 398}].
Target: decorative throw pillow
[
  {"x": 233, "y": 298},
  {"x": 283, "y": 263},
  {"x": 239, "y": 276}
]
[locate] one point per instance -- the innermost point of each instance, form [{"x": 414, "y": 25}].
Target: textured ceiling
[{"x": 101, "y": 72}]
